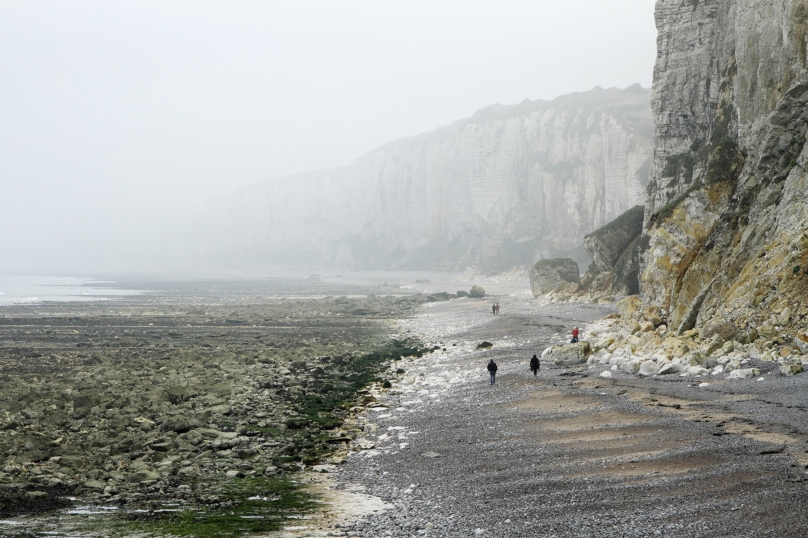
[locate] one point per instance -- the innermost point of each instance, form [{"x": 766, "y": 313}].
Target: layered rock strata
[
  {"x": 616, "y": 250},
  {"x": 506, "y": 187},
  {"x": 726, "y": 211}
]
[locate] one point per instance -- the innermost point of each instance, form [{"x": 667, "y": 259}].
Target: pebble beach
[{"x": 569, "y": 453}]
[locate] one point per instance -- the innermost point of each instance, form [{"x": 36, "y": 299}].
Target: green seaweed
[
  {"x": 326, "y": 407},
  {"x": 243, "y": 511}
]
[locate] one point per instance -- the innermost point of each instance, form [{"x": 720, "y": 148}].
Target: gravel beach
[{"x": 568, "y": 453}]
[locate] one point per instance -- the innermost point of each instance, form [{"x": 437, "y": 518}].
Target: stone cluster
[{"x": 636, "y": 340}]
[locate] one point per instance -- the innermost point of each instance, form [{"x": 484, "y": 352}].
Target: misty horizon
[{"x": 120, "y": 120}]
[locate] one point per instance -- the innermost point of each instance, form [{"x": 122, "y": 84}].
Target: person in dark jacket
[
  {"x": 492, "y": 371},
  {"x": 535, "y": 365}
]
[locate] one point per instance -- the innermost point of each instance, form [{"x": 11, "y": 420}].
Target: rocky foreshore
[{"x": 158, "y": 400}]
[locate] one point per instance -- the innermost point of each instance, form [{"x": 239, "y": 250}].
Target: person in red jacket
[{"x": 574, "y": 335}]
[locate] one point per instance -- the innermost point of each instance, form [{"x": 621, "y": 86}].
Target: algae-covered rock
[
  {"x": 37, "y": 447},
  {"x": 547, "y": 275}
]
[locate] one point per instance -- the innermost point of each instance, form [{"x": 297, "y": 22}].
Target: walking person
[
  {"x": 497, "y": 308},
  {"x": 492, "y": 371},
  {"x": 494, "y": 308},
  {"x": 535, "y": 365},
  {"x": 574, "y": 335}
]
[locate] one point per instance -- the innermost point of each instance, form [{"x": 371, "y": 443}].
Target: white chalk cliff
[
  {"x": 727, "y": 214},
  {"x": 506, "y": 187}
]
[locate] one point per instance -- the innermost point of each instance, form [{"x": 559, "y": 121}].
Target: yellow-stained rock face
[
  {"x": 628, "y": 306},
  {"x": 675, "y": 244},
  {"x": 727, "y": 206}
]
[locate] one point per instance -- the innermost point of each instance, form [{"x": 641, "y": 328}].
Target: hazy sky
[{"x": 111, "y": 109}]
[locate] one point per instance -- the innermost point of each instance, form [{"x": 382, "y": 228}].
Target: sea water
[{"x": 23, "y": 289}]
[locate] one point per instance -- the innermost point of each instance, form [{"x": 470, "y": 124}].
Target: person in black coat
[
  {"x": 492, "y": 371},
  {"x": 535, "y": 365}
]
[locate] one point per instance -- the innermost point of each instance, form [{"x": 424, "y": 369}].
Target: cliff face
[
  {"x": 506, "y": 187},
  {"x": 726, "y": 209}
]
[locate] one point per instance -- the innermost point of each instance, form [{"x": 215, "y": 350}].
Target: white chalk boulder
[
  {"x": 743, "y": 373},
  {"x": 649, "y": 368},
  {"x": 669, "y": 368},
  {"x": 568, "y": 354}
]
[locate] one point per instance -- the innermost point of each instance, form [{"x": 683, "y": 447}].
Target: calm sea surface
[{"x": 21, "y": 289}]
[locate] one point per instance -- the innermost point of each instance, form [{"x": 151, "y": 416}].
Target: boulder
[
  {"x": 37, "y": 447},
  {"x": 180, "y": 423},
  {"x": 628, "y": 306},
  {"x": 791, "y": 368},
  {"x": 143, "y": 475},
  {"x": 631, "y": 365},
  {"x": 604, "y": 342},
  {"x": 668, "y": 369},
  {"x": 649, "y": 368},
  {"x": 725, "y": 329},
  {"x": 802, "y": 342},
  {"x": 697, "y": 370},
  {"x": 767, "y": 331},
  {"x": 476, "y": 292},
  {"x": 743, "y": 373},
  {"x": 653, "y": 314},
  {"x": 569, "y": 354},
  {"x": 547, "y": 275},
  {"x": 94, "y": 484}
]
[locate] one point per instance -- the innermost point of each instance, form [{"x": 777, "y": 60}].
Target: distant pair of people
[
  {"x": 495, "y": 308},
  {"x": 535, "y": 364}
]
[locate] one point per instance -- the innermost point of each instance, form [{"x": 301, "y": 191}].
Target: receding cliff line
[{"x": 506, "y": 187}]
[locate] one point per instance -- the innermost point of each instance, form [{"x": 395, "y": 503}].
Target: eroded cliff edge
[
  {"x": 726, "y": 211},
  {"x": 506, "y": 187}
]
